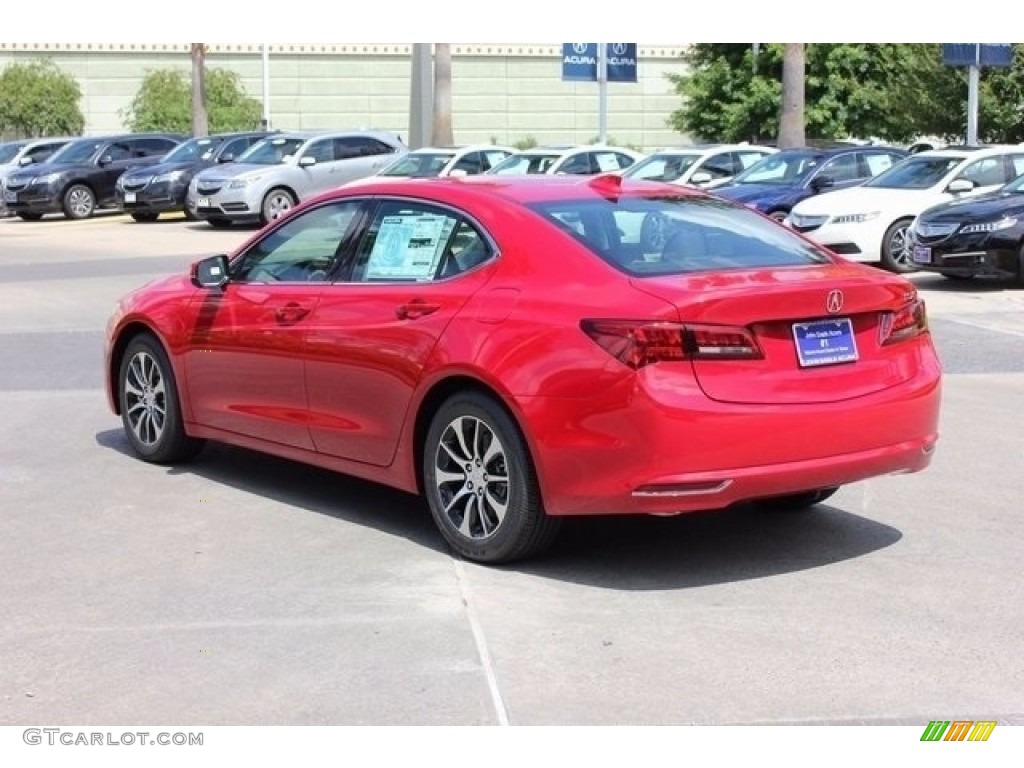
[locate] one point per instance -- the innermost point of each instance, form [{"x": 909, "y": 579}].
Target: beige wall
[{"x": 500, "y": 92}]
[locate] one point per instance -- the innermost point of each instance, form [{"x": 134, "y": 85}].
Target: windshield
[
  {"x": 661, "y": 167},
  {"x": 9, "y": 151},
  {"x": 194, "y": 149},
  {"x": 75, "y": 152},
  {"x": 916, "y": 173},
  {"x": 1017, "y": 185},
  {"x": 674, "y": 235},
  {"x": 419, "y": 165},
  {"x": 781, "y": 168},
  {"x": 525, "y": 164},
  {"x": 271, "y": 151}
]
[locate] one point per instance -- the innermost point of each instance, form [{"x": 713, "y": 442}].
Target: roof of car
[{"x": 520, "y": 189}]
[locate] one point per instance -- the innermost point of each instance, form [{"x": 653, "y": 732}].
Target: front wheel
[
  {"x": 79, "y": 202},
  {"x": 795, "y": 501},
  {"x": 276, "y": 204},
  {"x": 480, "y": 483},
  {"x": 150, "y": 408},
  {"x": 896, "y": 247},
  {"x": 779, "y": 216}
]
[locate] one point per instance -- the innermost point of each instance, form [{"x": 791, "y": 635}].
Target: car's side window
[
  {"x": 151, "y": 147},
  {"x": 305, "y": 249},
  {"x": 43, "y": 151},
  {"x": 624, "y": 161},
  {"x": 577, "y": 164},
  {"x": 360, "y": 146},
  {"x": 986, "y": 172},
  {"x": 1016, "y": 165},
  {"x": 719, "y": 166},
  {"x": 747, "y": 159},
  {"x": 235, "y": 147},
  {"x": 492, "y": 157},
  {"x": 416, "y": 242},
  {"x": 471, "y": 163},
  {"x": 842, "y": 168},
  {"x": 876, "y": 162},
  {"x": 322, "y": 151}
]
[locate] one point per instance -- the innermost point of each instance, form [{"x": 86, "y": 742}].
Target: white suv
[
  {"x": 872, "y": 221},
  {"x": 698, "y": 166},
  {"x": 275, "y": 174}
]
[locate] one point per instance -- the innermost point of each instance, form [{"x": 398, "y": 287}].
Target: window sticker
[{"x": 409, "y": 247}]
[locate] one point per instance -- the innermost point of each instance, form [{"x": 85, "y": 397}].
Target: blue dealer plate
[{"x": 825, "y": 342}]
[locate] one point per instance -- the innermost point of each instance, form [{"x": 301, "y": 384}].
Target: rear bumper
[{"x": 653, "y": 446}]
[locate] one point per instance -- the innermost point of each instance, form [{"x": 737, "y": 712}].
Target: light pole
[{"x": 266, "y": 87}]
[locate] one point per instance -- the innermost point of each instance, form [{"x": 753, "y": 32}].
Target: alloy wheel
[
  {"x": 145, "y": 398},
  {"x": 472, "y": 477}
]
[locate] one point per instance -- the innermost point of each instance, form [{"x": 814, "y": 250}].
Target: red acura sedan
[{"x": 518, "y": 350}]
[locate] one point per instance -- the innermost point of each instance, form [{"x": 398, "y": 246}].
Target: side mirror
[
  {"x": 819, "y": 183},
  {"x": 26, "y": 160},
  {"x": 106, "y": 160},
  {"x": 458, "y": 172},
  {"x": 227, "y": 157},
  {"x": 211, "y": 272},
  {"x": 701, "y": 177},
  {"x": 959, "y": 186},
  {"x": 307, "y": 161}
]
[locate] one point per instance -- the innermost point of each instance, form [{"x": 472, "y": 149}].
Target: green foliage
[
  {"x": 164, "y": 103},
  {"x": 893, "y": 91},
  {"x": 37, "y": 98},
  {"x": 526, "y": 143}
]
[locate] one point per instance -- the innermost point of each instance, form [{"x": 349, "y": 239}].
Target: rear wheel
[
  {"x": 150, "y": 408},
  {"x": 30, "y": 216},
  {"x": 145, "y": 216},
  {"x": 896, "y": 247},
  {"x": 79, "y": 202},
  {"x": 795, "y": 501},
  {"x": 480, "y": 483},
  {"x": 276, "y": 204}
]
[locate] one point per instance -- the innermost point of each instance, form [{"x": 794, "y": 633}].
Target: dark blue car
[{"x": 780, "y": 181}]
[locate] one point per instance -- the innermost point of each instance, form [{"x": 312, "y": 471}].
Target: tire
[
  {"x": 276, "y": 204},
  {"x": 896, "y": 247},
  {"x": 144, "y": 216},
  {"x": 30, "y": 216},
  {"x": 795, "y": 502},
  {"x": 189, "y": 215},
  {"x": 150, "y": 408},
  {"x": 1019, "y": 279},
  {"x": 476, "y": 460},
  {"x": 79, "y": 202},
  {"x": 219, "y": 223},
  {"x": 779, "y": 216}
]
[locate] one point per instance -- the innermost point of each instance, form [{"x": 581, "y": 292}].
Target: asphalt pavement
[{"x": 243, "y": 589}]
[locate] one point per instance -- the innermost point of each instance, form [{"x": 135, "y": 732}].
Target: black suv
[
  {"x": 80, "y": 176},
  {"x": 147, "y": 192}
]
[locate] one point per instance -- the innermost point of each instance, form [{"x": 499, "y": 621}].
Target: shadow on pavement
[
  {"x": 622, "y": 552},
  {"x": 940, "y": 284}
]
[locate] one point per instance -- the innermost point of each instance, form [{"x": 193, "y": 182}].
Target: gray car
[
  {"x": 281, "y": 171},
  {"x": 18, "y": 154}
]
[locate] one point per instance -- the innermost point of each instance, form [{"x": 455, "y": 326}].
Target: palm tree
[
  {"x": 442, "y": 133},
  {"x": 200, "y": 123},
  {"x": 791, "y": 115}
]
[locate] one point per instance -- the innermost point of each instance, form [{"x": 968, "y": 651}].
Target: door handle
[
  {"x": 291, "y": 312},
  {"x": 415, "y": 308}
]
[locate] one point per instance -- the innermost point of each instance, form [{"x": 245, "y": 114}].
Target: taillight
[
  {"x": 637, "y": 343},
  {"x": 905, "y": 323}
]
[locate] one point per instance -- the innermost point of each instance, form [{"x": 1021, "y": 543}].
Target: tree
[
  {"x": 442, "y": 133},
  {"x": 164, "y": 103},
  {"x": 37, "y": 98},
  {"x": 791, "y": 111},
  {"x": 893, "y": 91},
  {"x": 200, "y": 123}
]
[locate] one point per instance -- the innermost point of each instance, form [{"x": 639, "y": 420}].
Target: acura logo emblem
[
  {"x": 579, "y": 48},
  {"x": 834, "y": 302},
  {"x": 618, "y": 48}
]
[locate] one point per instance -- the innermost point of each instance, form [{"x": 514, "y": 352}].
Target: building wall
[{"x": 500, "y": 93}]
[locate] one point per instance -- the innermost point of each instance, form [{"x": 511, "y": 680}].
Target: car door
[
  {"x": 322, "y": 174},
  {"x": 113, "y": 160},
  {"x": 720, "y": 167},
  {"x": 244, "y": 365},
  {"x": 415, "y": 267},
  {"x": 987, "y": 174},
  {"x": 843, "y": 171}
]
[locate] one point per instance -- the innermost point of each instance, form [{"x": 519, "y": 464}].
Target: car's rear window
[{"x": 674, "y": 235}]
